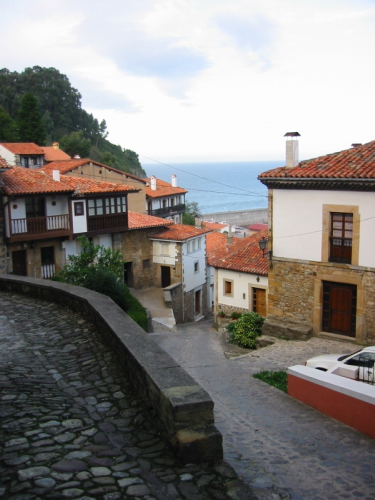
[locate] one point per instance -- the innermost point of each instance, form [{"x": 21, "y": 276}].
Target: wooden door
[
  {"x": 128, "y": 274},
  {"x": 259, "y": 301},
  {"x": 197, "y": 303},
  {"x": 19, "y": 262},
  {"x": 165, "y": 276},
  {"x": 339, "y": 308}
]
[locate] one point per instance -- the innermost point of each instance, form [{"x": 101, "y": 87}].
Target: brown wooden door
[
  {"x": 19, "y": 262},
  {"x": 259, "y": 301},
  {"x": 339, "y": 308}
]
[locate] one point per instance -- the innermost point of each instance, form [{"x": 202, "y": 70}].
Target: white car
[{"x": 358, "y": 365}]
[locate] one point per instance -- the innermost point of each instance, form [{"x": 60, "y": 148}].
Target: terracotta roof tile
[
  {"x": 214, "y": 226},
  {"x": 179, "y": 232},
  {"x": 163, "y": 189},
  {"x": 243, "y": 255},
  {"x": 4, "y": 163},
  {"x": 354, "y": 163},
  {"x": 138, "y": 221},
  {"x": 22, "y": 181},
  {"x": 22, "y": 148},
  {"x": 52, "y": 154},
  {"x": 257, "y": 227},
  {"x": 216, "y": 245},
  {"x": 86, "y": 186}
]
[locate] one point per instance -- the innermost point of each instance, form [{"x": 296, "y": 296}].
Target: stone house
[
  {"x": 240, "y": 274},
  {"x": 164, "y": 199},
  {"x": 179, "y": 261},
  {"x": 44, "y": 215},
  {"x": 321, "y": 214}
]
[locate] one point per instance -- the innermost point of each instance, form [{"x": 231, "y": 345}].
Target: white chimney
[
  {"x": 153, "y": 183},
  {"x": 292, "y": 149},
  {"x": 56, "y": 175},
  {"x": 174, "y": 180}
]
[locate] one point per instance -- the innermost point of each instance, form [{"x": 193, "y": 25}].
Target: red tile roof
[
  {"x": 86, "y": 186},
  {"x": 257, "y": 227},
  {"x": 354, "y": 163},
  {"x": 138, "y": 221},
  {"x": 179, "y": 232},
  {"x": 214, "y": 226},
  {"x": 216, "y": 244},
  {"x": 244, "y": 255},
  {"x": 163, "y": 189},
  {"x": 68, "y": 165},
  {"x": 22, "y": 181},
  {"x": 4, "y": 163},
  {"x": 52, "y": 154},
  {"x": 22, "y": 148}
]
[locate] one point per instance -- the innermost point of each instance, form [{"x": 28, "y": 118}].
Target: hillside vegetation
[{"x": 62, "y": 117}]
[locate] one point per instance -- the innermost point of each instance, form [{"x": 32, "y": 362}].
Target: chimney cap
[
  {"x": 356, "y": 144},
  {"x": 292, "y": 134}
]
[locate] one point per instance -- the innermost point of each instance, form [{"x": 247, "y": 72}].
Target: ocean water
[{"x": 218, "y": 187}]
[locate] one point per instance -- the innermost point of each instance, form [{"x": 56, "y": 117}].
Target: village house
[
  {"x": 85, "y": 168},
  {"x": 44, "y": 214},
  {"x": 22, "y": 154},
  {"x": 179, "y": 259},
  {"x": 240, "y": 274},
  {"x": 322, "y": 221},
  {"x": 164, "y": 199}
]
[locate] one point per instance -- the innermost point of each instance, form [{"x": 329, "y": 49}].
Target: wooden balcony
[
  {"x": 38, "y": 228},
  {"x": 107, "y": 223},
  {"x": 167, "y": 211}
]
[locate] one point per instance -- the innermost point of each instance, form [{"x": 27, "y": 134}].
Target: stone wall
[
  {"x": 3, "y": 248},
  {"x": 136, "y": 247},
  {"x": 183, "y": 408},
  {"x": 240, "y": 218},
  {"x": 295, "y": 297}
]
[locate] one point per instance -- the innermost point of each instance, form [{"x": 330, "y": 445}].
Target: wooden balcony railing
[
  {"x": 110, "y": 223},
  {"x": 39, "y": 227},
  {"x": 168, "y": 211}
]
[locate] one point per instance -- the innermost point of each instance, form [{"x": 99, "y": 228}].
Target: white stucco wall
[
  {"x": 298, "y": 221},
  {"x": 241, "y": 282},
  {"x": 7, "y": 155},
  {"x": 163, "y": 254},
  {"x": 194, "y": 279}
]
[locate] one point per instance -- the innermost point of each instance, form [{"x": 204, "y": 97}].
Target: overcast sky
[{"x": 208, "y": 80}]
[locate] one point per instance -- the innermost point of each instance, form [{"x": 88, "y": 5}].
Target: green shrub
[
  {"x": 276, "y": 379},
  {"x": 136, "y": 311},
  {"x": 103, "y": 281},
  {"x": 235, "y": 315},
  {"x": 246, "y": 329}
]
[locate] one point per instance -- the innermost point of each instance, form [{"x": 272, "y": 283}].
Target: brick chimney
[
  {"x": 56, "y": 145},
  {"x": 292, "y": 149}
]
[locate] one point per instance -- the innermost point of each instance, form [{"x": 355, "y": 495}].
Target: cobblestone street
[
  {"x": 270, "y": 439},
  {"x": 71, "y": 427}
]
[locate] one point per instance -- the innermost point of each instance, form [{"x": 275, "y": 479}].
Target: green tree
[
  {"x": 8, "y": 127},
  {"x": 75, "y": 144},
  {"x": 30, "y": 127},
  {"x": 191, "y": 212}
]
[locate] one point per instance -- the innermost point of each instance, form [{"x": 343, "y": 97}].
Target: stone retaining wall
[{"x": 183, "y": 409}]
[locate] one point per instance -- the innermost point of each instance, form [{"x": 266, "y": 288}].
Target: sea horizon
[{"x": 218, "y": 186}]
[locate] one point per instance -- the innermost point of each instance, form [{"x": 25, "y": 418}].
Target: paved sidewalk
[
  {"x": 71, "y": 425},
  {"x": 277, "y": 444}
]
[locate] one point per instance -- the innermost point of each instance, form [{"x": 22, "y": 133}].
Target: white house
[
  {"x": 322, "y": 225},
  {"x": 164, "y": 199},
  {"x": 241, "y": 270},
  {"x": 179, "y": 259}
]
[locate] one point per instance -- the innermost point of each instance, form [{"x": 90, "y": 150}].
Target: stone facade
[
  {"x": 136, "y": 248},
  {"x": 295, "y": 297},
  {"x": 3, "y": 248}
]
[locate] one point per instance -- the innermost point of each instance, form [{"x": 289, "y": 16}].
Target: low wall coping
[
  {"x": 352, "y": 388},
  {"x": 184, "y": 409}
]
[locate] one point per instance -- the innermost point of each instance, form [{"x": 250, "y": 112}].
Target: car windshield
[{"x": 345, "y": 356}]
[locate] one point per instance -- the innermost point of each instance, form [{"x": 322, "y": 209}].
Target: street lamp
[{"x": 263, "y": 245}]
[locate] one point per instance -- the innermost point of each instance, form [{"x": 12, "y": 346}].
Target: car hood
[{"x": 324, "y": 358}]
